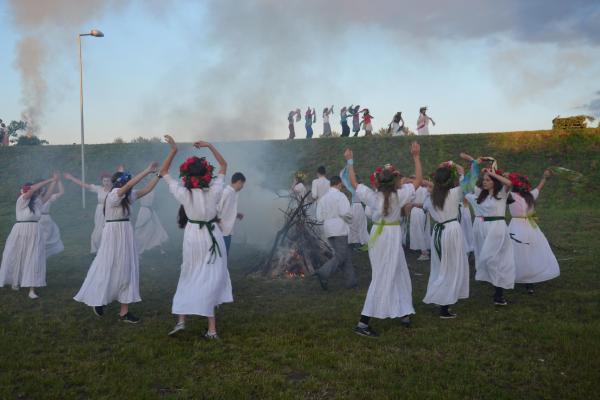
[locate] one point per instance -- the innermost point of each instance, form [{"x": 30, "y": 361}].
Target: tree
[
  {"x": 141, "y": 139},
  {"x": 118, "y": 140},
  {"x": 13, "y": 130},
  {"x": 25, "y": 140}
]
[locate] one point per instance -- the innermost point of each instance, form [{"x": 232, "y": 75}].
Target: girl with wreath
[{"x": 54, "y": 244}]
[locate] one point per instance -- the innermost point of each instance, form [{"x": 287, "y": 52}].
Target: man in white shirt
[
  {"x": 320, "y": 186},
  {"x": 334, "y": 211},
  {"x": 227, "y": 208}
]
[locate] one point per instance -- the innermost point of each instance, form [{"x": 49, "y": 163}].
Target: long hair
[
  {"x": 386, "y": 184},
  {"x": 526, "y": 195},
  {"x": 32, "y": 199},
  {"x": 118, "y": 183},
  {"x": 485, "y": 193},
  {"x": 196, "y": 168},
  {"x": 442, "y": 183}
]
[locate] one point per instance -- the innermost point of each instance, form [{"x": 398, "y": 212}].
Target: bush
[
  {"x": 141, "y": 139},
  {"x": 32, "y": 140}
]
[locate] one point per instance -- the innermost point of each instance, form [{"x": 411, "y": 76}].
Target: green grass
[{"x": 288, "y": 338}]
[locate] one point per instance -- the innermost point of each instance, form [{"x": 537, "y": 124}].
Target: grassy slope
[{"x": 288, "y": 339}]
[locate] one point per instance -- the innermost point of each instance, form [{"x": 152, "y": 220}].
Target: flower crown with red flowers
[
  {"x": 196, "y": 181},
  {"x": 453, "y": 174},
  {"x": 520, "y": 183},
  {"x": 376, "y": 176}
]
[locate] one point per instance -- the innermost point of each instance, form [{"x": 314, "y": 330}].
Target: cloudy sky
[{"x": 232, "y": 69}]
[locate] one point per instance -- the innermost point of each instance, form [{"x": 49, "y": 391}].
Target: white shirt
[
  {"x": 227, "y": 210},
  {"x": 320, "y": 187},
  {"x": 420, "y": 195},
  {"x": 334, "y": 211}
]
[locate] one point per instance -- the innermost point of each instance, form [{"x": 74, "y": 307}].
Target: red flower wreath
[
  {"x": 519, "y": 182},
  {"x": 196, "y": 181},
  {"x": 375, "y": 179}
]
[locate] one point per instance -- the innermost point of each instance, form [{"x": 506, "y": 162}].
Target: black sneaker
[
  {"x": 98, "y": 310},
  {"x": 129, "y": 318},
  {"x": 447, "y": 314},
  {"x": 500, "y": 301},
  {"x": 529, "y": 288},
  {"x": 368, "y": 332}
]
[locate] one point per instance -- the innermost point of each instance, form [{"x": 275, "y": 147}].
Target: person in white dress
[
  {"x": 24, "y": 255},
  {"x": 227, "y": 210},
  {"x": 114, "y": 273},
  {"x": 390, "y": 290},
  {"x": 534, "y": 260},
  {"x": 327, "y": 111},
  {"x": 419, "y": 225},
  {"x": 449, "y": 276},
  {"x": 54, "y": 244},
  {"x": 101, "y": 191},
  {"x": 396, "y": 127},
  {"x": 298, "y": 190},
  {"x": 149, "y": 232},
  {"x": 496, "y": 263},
  {"x": 466, "y": 223},
  {"x": 204, "y": 281},
  {"x": 359, "y": 232},
  {"x": 423, "y": 122}
]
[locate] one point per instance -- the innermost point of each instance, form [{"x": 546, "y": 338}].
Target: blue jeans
[{"x": 227, "y": 243}]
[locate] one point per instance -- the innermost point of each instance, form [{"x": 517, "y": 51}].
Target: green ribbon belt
[
  {"x": 117, "y": 220},
  {"x": 531, "y": 218},
  {"x": 460, "y": 213},
  {"x": 378, "y": 231},
  {"x": 214, "y": 249},
  {"x": 26, "y": 222},
  {"x": 488, "y": 219},
  {"x": 512, "y": 236},
  {"x": 438, "y": 228}
]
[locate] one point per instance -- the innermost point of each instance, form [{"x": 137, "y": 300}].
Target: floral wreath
[
  {"x": 122, "y": 180},
  {"x": 26, "y": 187},
  {"x": 375, "y": 176},
  {"x": 453, "y": 174},
  {"x": 196, "y": 181},
  {"x": 299, "y": 175},
  {"x": 520, "y": 183}
]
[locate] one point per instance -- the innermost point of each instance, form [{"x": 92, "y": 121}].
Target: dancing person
[
  {"x": 396, "y": 127},
  {"x": 326, "y": 124},
  {"x": 310, "y": 117},
  {"x": 534, "y": 260},
  {"x": 355, "y": 119},
  {"x": 227, "y": 211},
  {"x": 291, "y": 116},
  {"x": 423, "y": 122},
  {"x": 24, "y": 255},
  {"x": 4, "y": 134},
  {"x": 149, "y": 232},
  {"x": 54, "y": 244},
  {"x": 204, "y": 281},
  {"x": 344, "y": 122},
  {"x": 320, "y": 186},
  {"x": 419, "y": 225},
  {"x": 298, "y": 190},
  {"x": 390, "y": 290},
  {"x": 449, "y": 276},
  {"x": 114, "y": 273},
  {"x": 358, "y": 234},
  {"x": 334, "y": 211},
  {"x": 466, "y": 224},
  {"x": 101, "y": 191},
  {"x": 366, "y": 122}
]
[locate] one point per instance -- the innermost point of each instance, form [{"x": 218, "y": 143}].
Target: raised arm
[
  {"x": 136, "y": 179},
  {"x": 37, "y": 187},
  {"x": 505, "y": 181},
  {"x": 50, "y": 190},
  {"x": 415, "y": 151},
  {"x": 61, "y": 188},
  {"x": 349, "y": 156},
  {"x": 76, "y": 181},
  {"x": 547, "y": 174},
  {"x": 164, "y": 169},
  {"x": 222, "y": 163}
]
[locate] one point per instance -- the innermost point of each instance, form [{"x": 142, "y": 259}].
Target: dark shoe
[
  {"x": 322, "y": 282},
  {"x": 447, "y": 314},
  {"x": 500, "y": 301},
  {"x": 368, "y": 332},
  {"x": 129, "y": 318},
  {"x": 529, "y": 288},
  {"x": 98, "y": 310},
  {"x": 405, "y": 321}
]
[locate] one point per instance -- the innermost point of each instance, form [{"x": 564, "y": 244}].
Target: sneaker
[
  {"x": 405, "y": 321},
  {"x": 211, "y": 336},
  {"x": 447, "y": 315},
  {"x": 423, "y": 257},
  {"x": 98, "y": 310},
  {"x": 529, "y": 288},
  {"x": 178, "y": 328},
  {"x": 368, "y": 332},
  {"x": 500, "y": 301},
  {"x": 15, "y": 287},
  {"x": 530, "y": 291},
  {"x": 129, "y": 318},
  {"x": 33, "y": 296}
]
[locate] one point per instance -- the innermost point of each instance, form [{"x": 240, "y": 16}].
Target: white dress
[
  {"x": 478, "y": 236},
  {"x": 534, "y": 260},
  {"x": 423, "y": 123},
  {"x": 390, "y": 291},
  {"x": 449, "y": 276},
  {"x": 149, "y": 232},
  {"x": 496, "y": 263},
  {"x": 359, "y": 233},
  {"x": 98, "y": 217},
  {"x": 51, "y": 232},
  {"x": 466, "y": 223},
  {"x": 204, "y": 281},
  {"x": 24, "y": 256},
  {"x": 114, "y": 273},
  {"x": 420, "y": 228}
]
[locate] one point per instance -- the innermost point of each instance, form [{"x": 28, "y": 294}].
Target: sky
[{"x": 232, "y": 69}]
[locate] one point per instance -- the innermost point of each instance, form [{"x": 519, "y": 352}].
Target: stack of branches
[
  {"x": 575, "y": 122},
  {"x": 298, "y": 246}
]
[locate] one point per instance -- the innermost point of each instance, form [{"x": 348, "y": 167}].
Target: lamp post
[{"x": 95, "y": 33}]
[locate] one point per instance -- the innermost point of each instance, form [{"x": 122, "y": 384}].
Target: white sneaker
[
  {"x": 423, "y": 257},
  {"x": 179, "y": 327},
  {"x": 15, "y": 287},
  {"x": 33, "y": 296}
]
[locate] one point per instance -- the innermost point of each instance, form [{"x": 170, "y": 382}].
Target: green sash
[
  {"x": 378, "y": 231},
  {"x": 438, "y": 228},
  {"x": 214, "y": 249}
]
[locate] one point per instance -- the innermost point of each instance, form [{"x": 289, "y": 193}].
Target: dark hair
[
  {"x": 386, "y": 185},
  {"x": 31, "y": 203},
  {"x": 442, "y": 183},
  {"x": 397, "y": 117},
  {"x": 321, "y": 170},
  {"x": 238, "y": 176},
  {"x": 526, "y": 195},
  {"x": 335, "y": 180},
  {"x": 125, "y": 200},
  {"x": 485, "y": 193}
]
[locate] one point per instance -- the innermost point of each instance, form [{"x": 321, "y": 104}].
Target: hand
[
  {"x": 152, "y": 167},
  {"x": 68, "y": 176},
  {"x": 547, "y": 174},
  {"x": 415, "y": 149},
  {"x": 200, "y": 144},
  {"x": 486, "y": 171},
  {"x": 348, "y": 155},
  {"x": 171, "y": 142},
  {"x": 466, "y": 157},
  {"x": 240, "y": 216}
]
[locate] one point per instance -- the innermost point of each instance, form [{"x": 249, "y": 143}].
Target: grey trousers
[{"x": 342, "y": 258}]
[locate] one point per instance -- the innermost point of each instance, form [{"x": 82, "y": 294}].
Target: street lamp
[{"x": 95, "y": 33}]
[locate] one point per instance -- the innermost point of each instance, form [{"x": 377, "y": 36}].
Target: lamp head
[{"x": 96, "y": 33}]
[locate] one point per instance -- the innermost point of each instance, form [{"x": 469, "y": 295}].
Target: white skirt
[
  {"x": 358, "y": 227},
  {"x": 534, "y": 260},
  {"x": 467, "y": 228},
  {"x": 496, "y": 263},
  {"x": 98, "y": 226},
  {"x": 52, "y": 235},
  {"x": 202, "y": 285},
  {"x": 390, "y": 291},
  {"x": 149, "y": 232},
  {"x": 24, "y": 256},
  {"x": 449, "y": 276},
  {"x": 114, "y": 273},
  {"x": 478, "y": 238},
  {"x": 420, "y": 230},
  {"x": 405, "y": 228}
]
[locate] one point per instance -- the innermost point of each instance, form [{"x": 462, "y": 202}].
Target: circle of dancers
[
  {"x": 361, "y": 120},
  {"x": 430, "y": 216}
]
